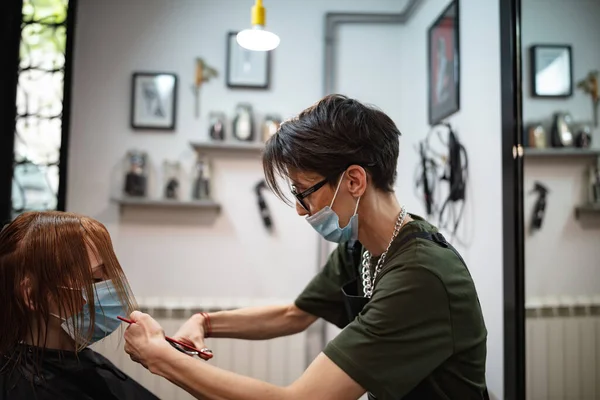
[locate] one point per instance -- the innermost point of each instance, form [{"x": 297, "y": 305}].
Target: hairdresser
[{"x": 411, "y": 319}]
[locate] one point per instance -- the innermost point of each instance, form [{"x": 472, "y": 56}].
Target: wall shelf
[
  {"x": 587, "y": 209},
  {"x": 561, "y": 152},
  {"x": 228, "y": 147},
  {"x": 206, "y": 205}
]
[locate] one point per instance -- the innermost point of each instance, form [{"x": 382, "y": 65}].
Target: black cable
[
  {"x": 453, "y": 168},
  {"x": 458, "y": 176},
  {"x": 426, "y": 179},
  {"x": 465, "y": 170},
  {"x": 429, "y": 170}
]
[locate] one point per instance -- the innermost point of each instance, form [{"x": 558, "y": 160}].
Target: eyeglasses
[{"x": 301, "y": 196}]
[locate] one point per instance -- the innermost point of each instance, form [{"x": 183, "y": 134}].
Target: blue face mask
[
  {"x": 107, "y": 307},
  {"x": 327, "y": 223}
]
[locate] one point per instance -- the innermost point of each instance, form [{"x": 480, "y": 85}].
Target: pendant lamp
[{"x": 257, "y": 38}]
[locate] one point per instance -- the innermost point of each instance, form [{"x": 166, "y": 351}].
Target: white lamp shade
[{"x": 257, "y": 39}]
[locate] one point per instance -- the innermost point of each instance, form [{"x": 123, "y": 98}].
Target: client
[{"x": 61, "y": 289}]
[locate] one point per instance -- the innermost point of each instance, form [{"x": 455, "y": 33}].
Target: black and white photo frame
[
  {"x": 551, "y": 70},
  {"x": 246, "y": 69},
  {"x": 153, "y": 100}
]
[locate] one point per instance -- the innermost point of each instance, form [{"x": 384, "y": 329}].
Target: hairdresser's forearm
[
  {"x": 322, "y": 380},
  {"x": 256, "y": 323},
  {"x": 204, "y": 381}
]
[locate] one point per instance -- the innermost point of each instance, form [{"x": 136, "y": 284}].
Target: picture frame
[
  {"x": 153, "y": 100},
  {"x": 246, "y": 69},
  {"x": 443, "y": 64},
  {"x": 551, "y": 70}
]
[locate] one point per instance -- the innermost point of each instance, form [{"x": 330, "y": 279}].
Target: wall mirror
[{"x": 551, "y": 71}]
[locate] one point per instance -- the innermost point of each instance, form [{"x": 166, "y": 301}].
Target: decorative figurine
[
  {"x": 204, "y": 73},
  {"x": 136, "y": 178},
  {"x": 270, "y": 126},
  {"x": 172, "y": 171},
  {"x": 590, "y": 86},
  {"x": 217, "y": 126},
  {"x": 561, "y": 130},
  {"x": 243, "y": 123},
  {"x": 537, "y": 136},
  {"x": 202, "y": 179},
  {"x": 584, "y": 137}
]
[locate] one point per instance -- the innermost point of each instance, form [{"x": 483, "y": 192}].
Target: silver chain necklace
[{"x": 368, "y": 283}]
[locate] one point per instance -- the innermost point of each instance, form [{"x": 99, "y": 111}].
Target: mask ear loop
[
  {"x": 336, "y": 190},
  {"x": 356, "y": 208},
  {"x": 57, "y": 316}
]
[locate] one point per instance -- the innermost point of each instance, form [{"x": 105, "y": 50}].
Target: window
[{"x": 40, "y": 120}]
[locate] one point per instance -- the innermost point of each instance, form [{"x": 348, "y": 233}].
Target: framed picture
[
  {"x": 153, "y": 100},
  {"x": 246, "y": 68},
  {"x": 551, "y": 70},
  {"x": 444, "y": 65}
]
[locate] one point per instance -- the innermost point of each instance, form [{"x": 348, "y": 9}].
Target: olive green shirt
[{"x": 422, "y": 334}]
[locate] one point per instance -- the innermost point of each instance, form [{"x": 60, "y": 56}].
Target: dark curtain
[{"x": 10, "y": 36}]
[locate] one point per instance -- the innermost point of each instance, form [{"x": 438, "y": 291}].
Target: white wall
[
  {"x": 376, "y": 79},
  {"x": 562, "y": 258},
  {"x": 385, "y": 65},
  {"x": 234, "y": 257},
  {"x": 399, "y": 87},
  {"x": 478, "y": 125}
]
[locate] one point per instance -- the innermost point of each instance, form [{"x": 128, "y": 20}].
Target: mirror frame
[{"x": 512, "y": 199}]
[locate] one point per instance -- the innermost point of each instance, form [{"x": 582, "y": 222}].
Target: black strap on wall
[
  {"x": 263, "y": 208},
  {"x": 10, "y": 37}
]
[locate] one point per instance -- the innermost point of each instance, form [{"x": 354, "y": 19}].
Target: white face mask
[
  {"x": 327, "y": 223},
  {"x": 107, "y": 307}
]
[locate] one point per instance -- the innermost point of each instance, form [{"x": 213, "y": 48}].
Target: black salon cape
[{"x": 89, "y": 376}]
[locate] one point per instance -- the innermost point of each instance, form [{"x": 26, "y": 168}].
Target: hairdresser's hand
[
  {"x": 145, "y": 340},
  {"x": 192, "y": 332}
]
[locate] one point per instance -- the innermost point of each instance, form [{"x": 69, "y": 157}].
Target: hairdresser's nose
[{"x": 301, "y": 210}]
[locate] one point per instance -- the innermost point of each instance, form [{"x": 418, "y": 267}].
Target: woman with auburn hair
[{"x": 61, "y": 290}]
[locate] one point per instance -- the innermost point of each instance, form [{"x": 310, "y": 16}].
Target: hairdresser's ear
[
  {"x": 357, "y": 180},
  {"x": 26, "y": 293}
]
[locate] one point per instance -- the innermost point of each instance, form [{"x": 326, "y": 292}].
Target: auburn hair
[{"x": 42, "y": 255}]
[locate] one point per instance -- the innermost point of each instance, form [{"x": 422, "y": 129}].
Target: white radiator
[
  {"x": 278, "y": 361},
  {"x": 563, "y": 350}
]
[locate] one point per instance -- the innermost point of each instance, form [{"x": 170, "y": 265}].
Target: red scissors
[{"x": 205, "y": 354}]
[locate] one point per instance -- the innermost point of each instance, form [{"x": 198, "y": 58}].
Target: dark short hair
[{"x": 330, "y": 136}]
